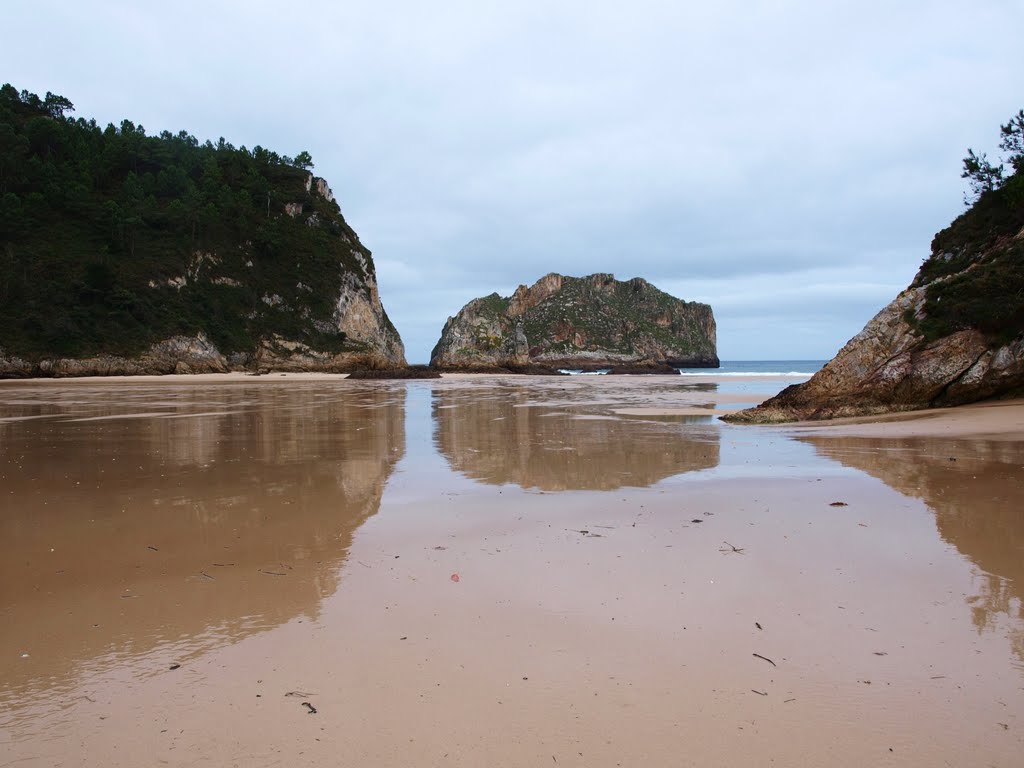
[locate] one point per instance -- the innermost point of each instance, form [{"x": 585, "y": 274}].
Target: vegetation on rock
[
  {"x": 112, "y": 240},
  {"x": 594, "y": 320},
  {"x": 975, "y": 275},
  {"x": 956, "y": 335}
]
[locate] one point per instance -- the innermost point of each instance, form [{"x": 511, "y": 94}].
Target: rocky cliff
[
  {"x": 124, "y": 253},
  {"x": 578, "y": 321},
  {"x": 954, "y": 336}
]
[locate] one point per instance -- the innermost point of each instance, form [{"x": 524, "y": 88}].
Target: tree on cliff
[
  {"x": 985, "y": 176},
  {"x": 975, "y": 275},
  {"x": 1013, "y": 141}
]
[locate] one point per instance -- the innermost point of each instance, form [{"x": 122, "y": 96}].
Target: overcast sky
[{"x": 787, "y": 162}]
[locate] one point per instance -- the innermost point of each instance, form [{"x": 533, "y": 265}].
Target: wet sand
[
  {"x": 638, "y": 584},
  {"x": 997, "y": 419}
]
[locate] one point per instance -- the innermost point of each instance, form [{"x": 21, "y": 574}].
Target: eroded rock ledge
[
  {"x": 578, "y": 322},
  {"x": 196, "y": 354}
]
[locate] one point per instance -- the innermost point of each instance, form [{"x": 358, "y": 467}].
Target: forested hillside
[{"x": 112, "y": 240}]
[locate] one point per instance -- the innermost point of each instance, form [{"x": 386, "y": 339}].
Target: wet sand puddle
[{"x": 495, "y": 572}]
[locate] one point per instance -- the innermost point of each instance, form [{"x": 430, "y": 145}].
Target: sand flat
[
  {"x": 629, "y": 591},
  {"x": 1000, "y": 419}
]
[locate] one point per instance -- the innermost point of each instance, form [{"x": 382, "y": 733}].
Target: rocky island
[
  {"x": 579, "y": 322},
  {"x": 955, "y": 335},
  {"x": 125, "y": 253}
]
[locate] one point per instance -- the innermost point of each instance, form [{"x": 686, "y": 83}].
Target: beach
[{"x": 502, "y": 570}]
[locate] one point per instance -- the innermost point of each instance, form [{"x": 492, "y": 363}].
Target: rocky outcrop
[
  {"x": 357, "y": 335},
  {"x": 955, "y": 336},
  {"x": 594, "y": 321},
  {"x": 180, "y": 354},
  {"x": 359, "y": 314},
  {"x": 14, "y": 367},
  {"x": 193, "y": 257}
]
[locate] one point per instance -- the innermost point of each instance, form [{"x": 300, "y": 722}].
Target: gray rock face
[
  {"x": 565, "y": 321},
  {"x": 359, "y": 314}
]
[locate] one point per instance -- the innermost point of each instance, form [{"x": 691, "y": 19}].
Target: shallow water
[{"x": 282, "y": 543}]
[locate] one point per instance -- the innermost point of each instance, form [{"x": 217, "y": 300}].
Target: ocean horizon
[
  {"x": 738, "y": 368},
  {"x": 759, "y": 368}
]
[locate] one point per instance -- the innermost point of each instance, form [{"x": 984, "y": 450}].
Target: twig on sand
[
  {"x": 759, "y": 693},
  {"x": 765, "y": 658},
  {"x": 731, "y": 548},
  {"x": 310, "y": 707}
]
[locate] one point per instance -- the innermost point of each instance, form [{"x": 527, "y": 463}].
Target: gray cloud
[{"x": 787, "y": 162}]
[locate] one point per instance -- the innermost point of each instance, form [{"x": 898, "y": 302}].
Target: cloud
[{"x": 787, "y": 161}]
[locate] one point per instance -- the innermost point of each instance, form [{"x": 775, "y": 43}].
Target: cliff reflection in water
[
  {"x": 976, "y": 490},
  {"x": 134, "y": 523},
  {"x": 501, "y": 436}
]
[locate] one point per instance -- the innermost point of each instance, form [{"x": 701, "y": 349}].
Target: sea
[
  {"x": 740, "y": 368},
  {"x": 759, "y": 368}
]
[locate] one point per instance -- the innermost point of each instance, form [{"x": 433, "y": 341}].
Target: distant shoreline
[{"x": 298, "y": 376}]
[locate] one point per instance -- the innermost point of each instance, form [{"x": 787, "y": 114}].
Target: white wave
[{"x": 716, "y": 373}]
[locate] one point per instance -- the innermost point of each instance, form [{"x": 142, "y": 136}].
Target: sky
[{"x": 785, "y": 161}]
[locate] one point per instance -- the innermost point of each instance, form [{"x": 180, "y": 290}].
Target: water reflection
[
  {"x": 145, "y": 539},
  {"x": 555, "y": 443},
  {"x": 974, "y": 488}
]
